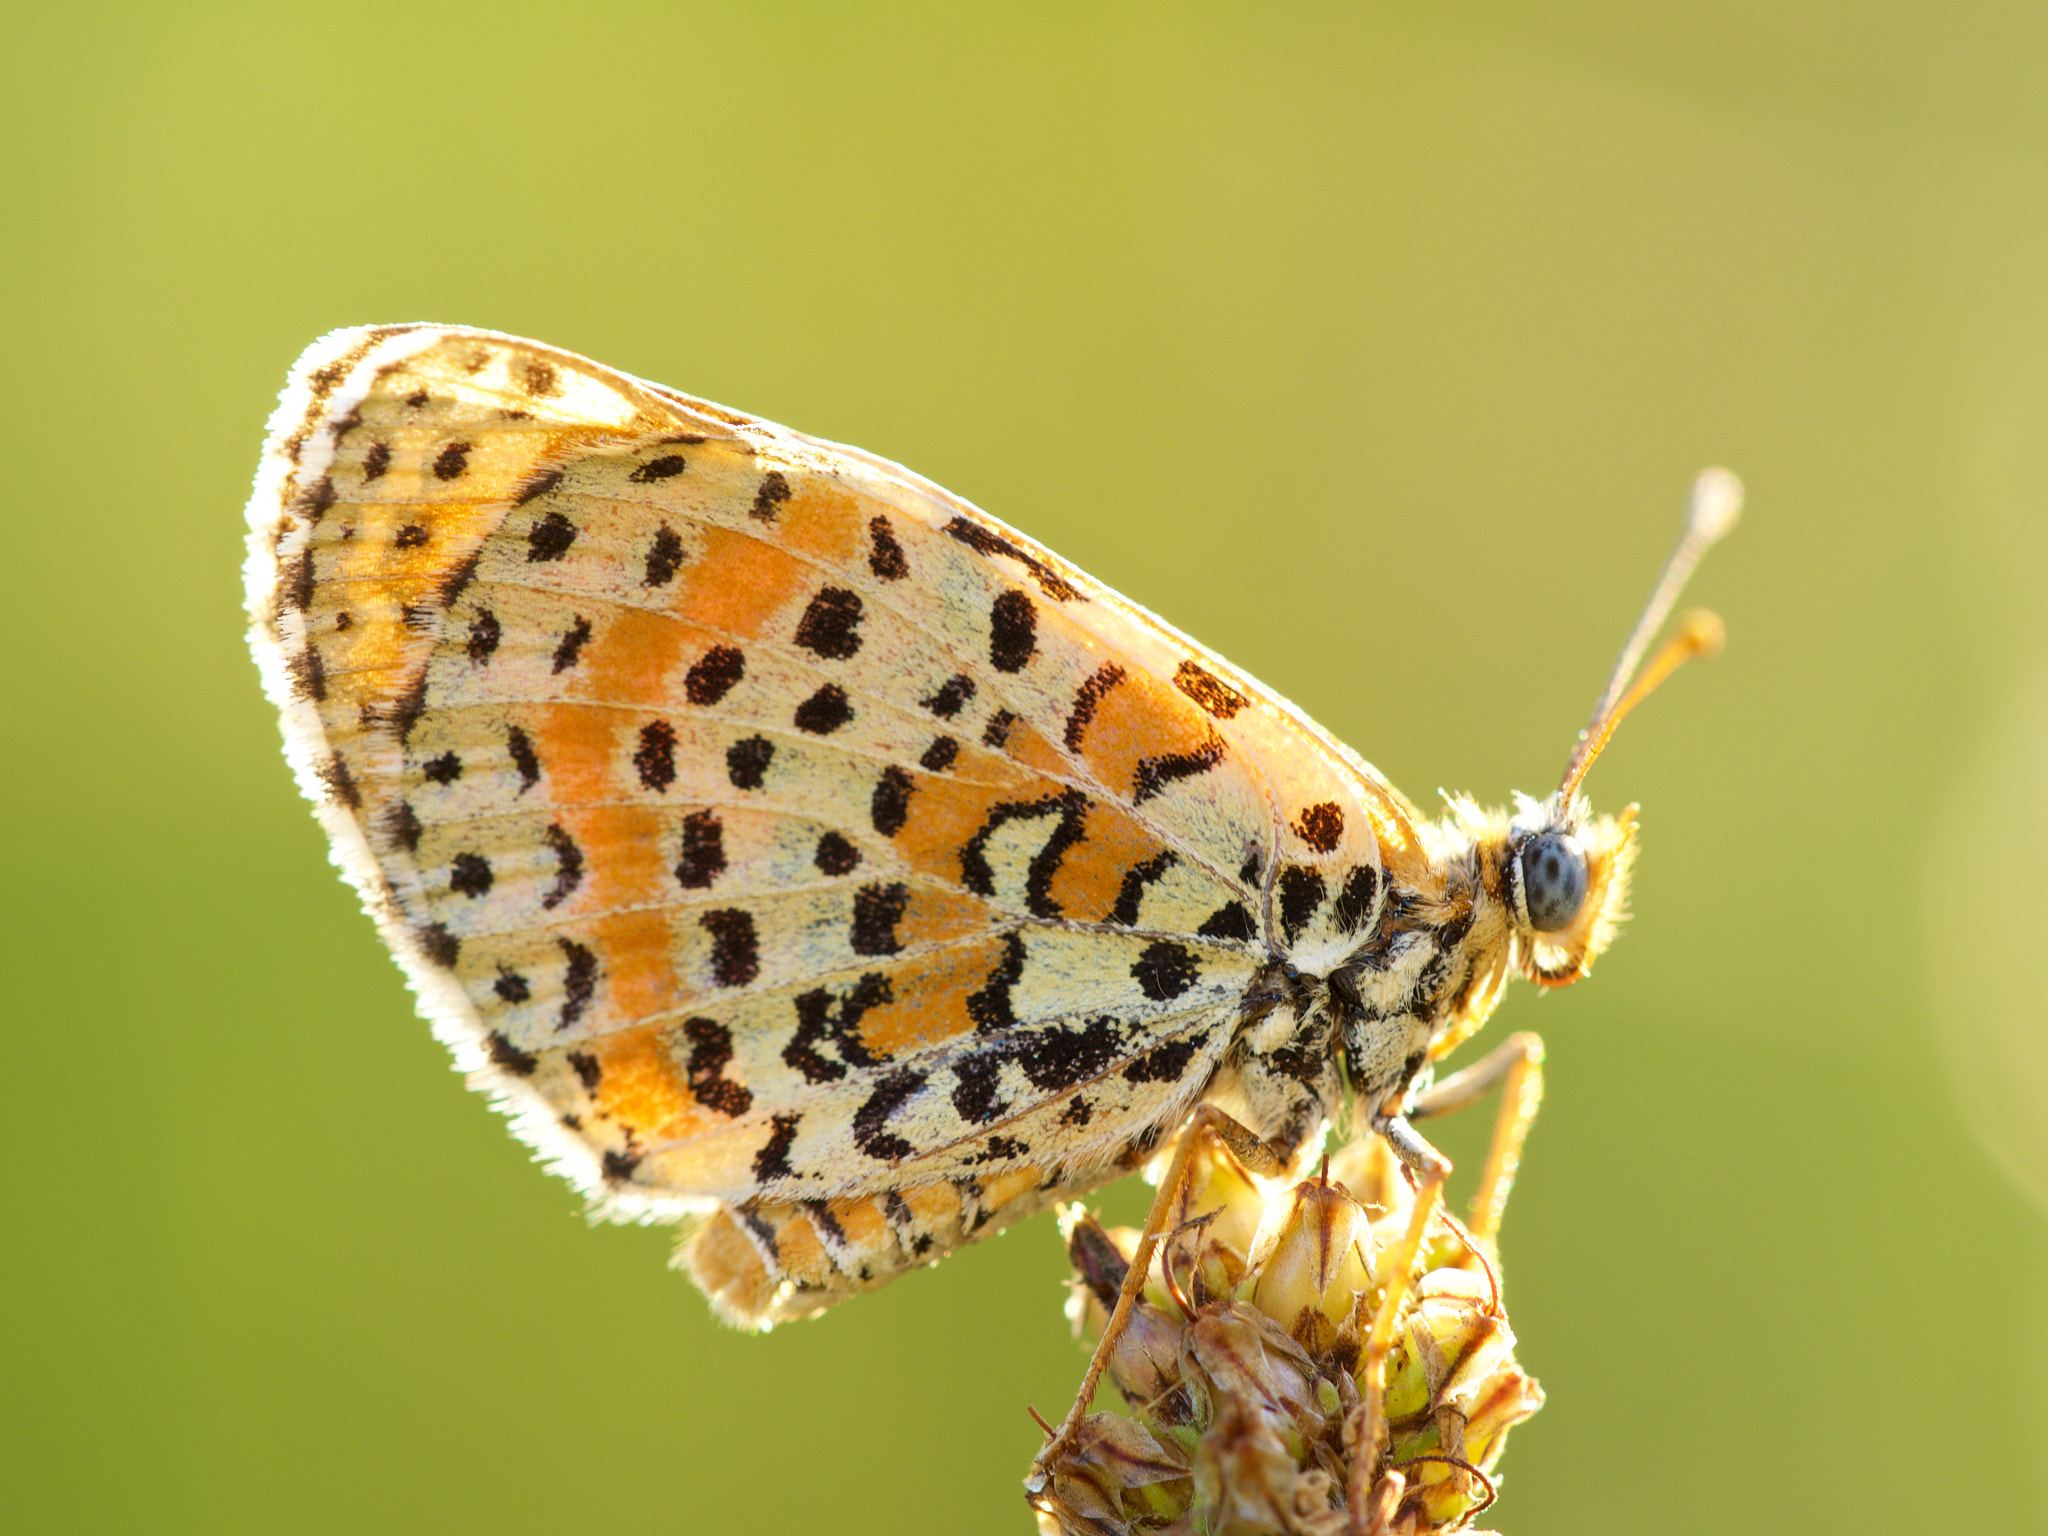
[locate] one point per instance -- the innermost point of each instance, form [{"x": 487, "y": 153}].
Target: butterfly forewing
[{"x": 763, "y": 824}]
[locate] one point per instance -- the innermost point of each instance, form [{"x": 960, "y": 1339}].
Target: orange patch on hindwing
[
  {"x": 743, "y": 579},
  {"x": 630, "y": 659},
  {"x": 580, "y": 745},
  {"x": 620, "y": 846},
  {"x": 930, "y": 997},
  {"x": 934, "y": 916},
  {"x": 641, "y": 1088},
  {"x": 1090, "y": 877},
  {"x": 738, "y": 584},
  {"x": 1141, "y": 719},
  {"x": 637, "y": 963}
]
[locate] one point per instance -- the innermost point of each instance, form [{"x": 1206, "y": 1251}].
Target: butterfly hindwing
[{"x": 762, "y": 824}]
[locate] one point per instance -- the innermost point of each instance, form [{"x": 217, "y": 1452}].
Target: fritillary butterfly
[{"x": 784, "y": 842}]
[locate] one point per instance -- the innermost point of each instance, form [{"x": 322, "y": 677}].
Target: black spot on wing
[
  {"x": 315, "y": 499},
  {"x": 459, "y": 576},
  {"x": 571, "y": 647},
  {"x": 772, "y": 1161},
  {"x": 710, "y": 1054},
  {"x": 830, "y": 626},
  {"x": 376, "y": 461},
  {"x": 1301, "y": 892},
  {"x": 510, "y": 986},
  {"x": 1154, "y": 774},
  {"x": 1208, "y": 690},
  {"x": 587, "y": 1069},
  {"x": 452, "y": 461},
  {"x": 663, "y": 468},
  {"x": 889, "y": 808},
  {"x": 746, "y": 762},
  {"x": 1130, "y": 895},
  {"x": 655, "y": 758},
  {"x": 952, "y": 694},
  {"x": 990, "y": 1007},
  {"x": 769, "y": 499},
  {"x": 298, "y": 586},
  {"x": 977, "y": 1097},
  {"x": 340, "y": 782},
  {"x": 1071, "y": 806},
  {"x": 735, "y": 951},
  {"x": 825, "y": 1019},
  {"x": 407, "y": 708},
  {"x": 519, "y": 747},
  {"x": 403, "y": 824},
  {"x": 703, "y": 853},
  {"x": 824, "y": 711},
  {"x": 876, "y": 911},
  {"x": 1230, "y": 921},
  {"x": 938, "y": 757},
  {"x": 1166, "y": 1063},
  {"x": 550, "y": 538},
  {"x": 870, "y": 1121},
  {"x": 445, "y": 769},
  {"x": 309, "y": 675},
  {"x": 439, "y": 945},
  {"x": 835, "y": 855},
  {"x": 1091, "y": 694},
  {"x": 484, "y": 635},
  {"x": 1062, "y": 1055},
  {"x": 509, "y": 1057},
  {"x": 1355, "y": 901},
  {"x": 1013, "y": 631},
  {"x": 1165, "y": 970},
  {"x": 539, "y": 485},
  {"x": 1321, "y": 826},
  {"x": 579, "y": 981},
  {"x": 712, "y": 676},
  {"x": 470, "y": 875},
  {"x": 885, "y": 555},
  {"x": 996, "y": 734},
  {"x": 411, "y": 536},
  {"x": 568, "y": 866},
  {"x": 664, "y": 557},
  {"x": 1045, "y": 863},
  {"x": 986, "y": 541}
]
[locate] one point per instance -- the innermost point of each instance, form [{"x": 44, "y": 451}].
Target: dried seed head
[
  {"x": 1319, "y": 1272},
  {"x": 1240, "y": 1367}
]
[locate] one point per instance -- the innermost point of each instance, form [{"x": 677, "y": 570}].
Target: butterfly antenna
[{"x": 1715, "y": 505}]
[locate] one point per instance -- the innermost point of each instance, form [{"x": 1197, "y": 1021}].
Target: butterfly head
[{"x": 1563, "y": 877}]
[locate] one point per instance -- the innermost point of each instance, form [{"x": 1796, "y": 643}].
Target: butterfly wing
[{"x": 768, "y": 830}]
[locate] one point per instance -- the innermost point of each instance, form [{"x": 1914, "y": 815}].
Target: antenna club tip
[
  {"x": 1716, "y": 503},
  {"x": 1703, "y": 632}
]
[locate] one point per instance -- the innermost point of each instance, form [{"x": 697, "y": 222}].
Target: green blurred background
[{"x": 1374, "y": 345}]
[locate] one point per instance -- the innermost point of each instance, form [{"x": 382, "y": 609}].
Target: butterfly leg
[
  {"x": 1256, "y": 1155},
  {"x": 1517, "y": 1066}
]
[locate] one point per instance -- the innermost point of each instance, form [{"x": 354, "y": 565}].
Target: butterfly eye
[{"x": 1553, "y": 881}]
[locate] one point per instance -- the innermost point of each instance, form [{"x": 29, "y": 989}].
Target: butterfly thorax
[{"x": 1453, "y": 926}]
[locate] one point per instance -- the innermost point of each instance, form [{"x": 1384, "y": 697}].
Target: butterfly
[{"x": 785, "y": 844}]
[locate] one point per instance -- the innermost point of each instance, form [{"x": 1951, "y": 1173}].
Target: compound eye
[{"x": 1553, "y": 881}]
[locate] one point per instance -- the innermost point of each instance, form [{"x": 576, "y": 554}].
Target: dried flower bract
[{"x": 1245, "y": 1408}]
